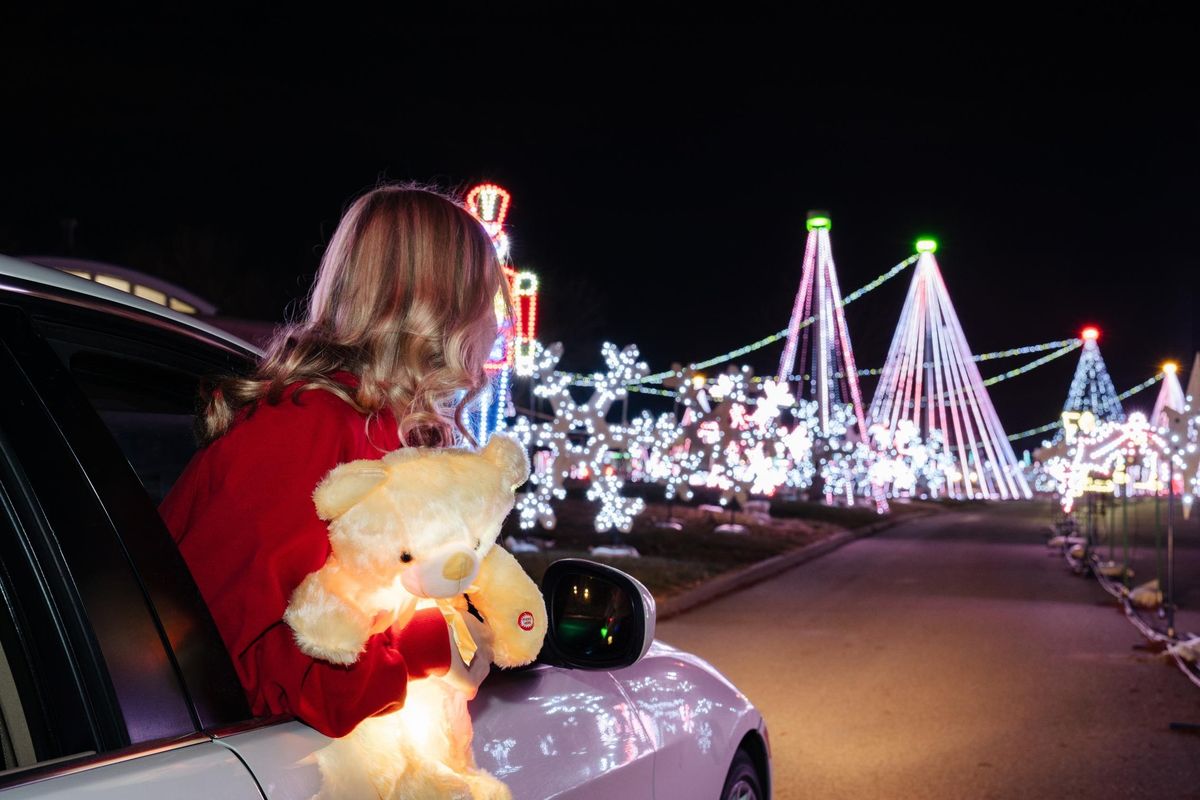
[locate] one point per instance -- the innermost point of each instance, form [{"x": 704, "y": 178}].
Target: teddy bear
[{"x": 414, "y": 529}]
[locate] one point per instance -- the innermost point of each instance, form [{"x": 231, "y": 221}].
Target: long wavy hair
[{"x": 405, "y": 299}]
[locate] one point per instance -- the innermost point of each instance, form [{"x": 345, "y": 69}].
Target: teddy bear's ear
[
  {"x": 507, "y": 454},
  {"x": 345, "y": 485}
]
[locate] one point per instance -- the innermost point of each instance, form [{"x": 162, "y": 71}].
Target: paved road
[{"x": 951, "y": 657}]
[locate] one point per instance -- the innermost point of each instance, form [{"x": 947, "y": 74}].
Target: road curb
[{"x": 729, "y": 582}]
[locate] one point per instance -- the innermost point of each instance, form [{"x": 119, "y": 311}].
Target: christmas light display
[
  {"x": 616, "y": 512},
  {"x": 749, "y": 449},
  {"x": 666, "y": 375},
  {"x": 1123, "y": 396},
  {"x": 1114, "y": 457},
  {"x": 489, "y": 204},
  {"x": 514, "y": 344},
  {"x": 1061, "y": 348},
  {"x": 766, "y": 341},
  {"x": 746, "y": 451},
  {"x": 578, "y": 440},
  {"x": 1193, "y": 386},
  {"x": 730, "y": 438},
  {"x": 1037, "y": 362},
  {"x": 1091, "y": 388},
  {"x": 525, "y": 299},
  {"x": 534, "y": 504},
  {"x": 661, "y": 452},
  {"x": 1170, "y": 395},
  {"x": 930, "y": 378},
  {"x": 843, "y": 461},
  {"x": 843, "y": 471},
  {"x": 905, "y": 465},
  {"x": 1182, "y": 432},
  {"x": 824, "y": 347},
  {"x": 800, "y": 443}
]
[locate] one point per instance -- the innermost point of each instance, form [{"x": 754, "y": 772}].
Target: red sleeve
[
  {"x": 244, "y": 518},
  {"x": 334, "y": 699}
]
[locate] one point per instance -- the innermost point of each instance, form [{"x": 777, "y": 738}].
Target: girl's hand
[{"x": 463, "y": 678}]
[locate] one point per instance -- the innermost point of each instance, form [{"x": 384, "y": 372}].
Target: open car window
[
  {"x": 148, "y": 408},
  {"x": 145, "y": 390},
  {"x": 127, "y": 390}
]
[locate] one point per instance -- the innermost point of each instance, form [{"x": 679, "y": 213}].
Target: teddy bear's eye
[{"x": 406, "y": 557}]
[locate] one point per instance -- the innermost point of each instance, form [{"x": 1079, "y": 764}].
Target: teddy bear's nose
[{"x": 457, "y": 567}]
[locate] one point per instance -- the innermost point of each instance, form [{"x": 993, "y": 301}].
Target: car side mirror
[{"x": 599, "y": 617}]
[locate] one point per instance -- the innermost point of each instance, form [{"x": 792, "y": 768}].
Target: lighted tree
[
  {"x": 1170, "y": 395},
  {"x": 818, "y": 359},
  {"x": 931, "y": 379},
  {"x": 1092, "y": 389}
]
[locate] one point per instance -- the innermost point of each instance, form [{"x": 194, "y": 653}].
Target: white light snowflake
[{"x": 579, "y": 437}]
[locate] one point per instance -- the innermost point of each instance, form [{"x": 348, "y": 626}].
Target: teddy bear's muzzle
[
  {"x": 445, "y": 572},
  {"x": 458, "y": 566}
]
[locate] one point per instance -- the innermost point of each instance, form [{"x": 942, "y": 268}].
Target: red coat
[{"x": 243, "y": 516}]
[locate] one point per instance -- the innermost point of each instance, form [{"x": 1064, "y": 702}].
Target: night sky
[{"x": 660, "y": 172}]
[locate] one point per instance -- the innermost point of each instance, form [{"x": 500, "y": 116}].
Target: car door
[
  {"x": 556, "y": 732},
  {"x": 90, "y": 694},
  {"x": 547, "y": 732}
]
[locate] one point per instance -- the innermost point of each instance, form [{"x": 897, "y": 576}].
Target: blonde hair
[{"x": 405, "y": 300}]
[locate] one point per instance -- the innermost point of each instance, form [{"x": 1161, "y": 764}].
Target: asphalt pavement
[{"x": 951, "y": 656}]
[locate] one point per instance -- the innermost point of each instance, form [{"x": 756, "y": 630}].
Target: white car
[{"x": 114, "y": 682}]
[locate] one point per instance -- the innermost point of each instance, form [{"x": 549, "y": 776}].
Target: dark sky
[{"x": 660, "y": 172}]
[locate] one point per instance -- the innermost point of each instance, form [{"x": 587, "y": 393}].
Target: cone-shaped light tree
[
  {"x": 1170, "y": 395},
  {"x": 818, "y": 360},
  {"x": 1193, "y": 385},
  {"x": 1091, "y": 388},
  {"x": 931, "y": 379}
]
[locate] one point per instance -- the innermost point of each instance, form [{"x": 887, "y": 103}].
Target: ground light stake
[
  {"x": 1125, "y": 530},
  {"x": 1169, "y": 595}
]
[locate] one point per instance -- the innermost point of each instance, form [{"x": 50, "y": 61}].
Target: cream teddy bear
[{"x": 414, "y": 529}]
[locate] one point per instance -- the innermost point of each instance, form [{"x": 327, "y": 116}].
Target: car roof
[{"x": 61, "y": 285}]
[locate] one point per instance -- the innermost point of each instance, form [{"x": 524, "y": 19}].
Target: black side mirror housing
[{"x": 599, "y": 617}]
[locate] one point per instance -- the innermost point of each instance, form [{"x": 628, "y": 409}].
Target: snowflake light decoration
[
  {"x": 534, "y": 504},
  {"x": 579, "y": 437},
  {"x": 615, "y": 511},
  {"x": 660, "y": 452},
  {"x": 903, "y": 465},
  {"x": 741, "y": 439}
]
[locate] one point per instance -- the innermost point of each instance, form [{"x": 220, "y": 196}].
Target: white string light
[
  {"x": 579, "y": 438},
  {"x": 660, "y": 377},
  {"x": 950, "y": 396},
  {"x": 1125, "y": 395}
]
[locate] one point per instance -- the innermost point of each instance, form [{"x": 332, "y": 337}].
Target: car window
[
  {"x": 31, "y": 731},
  {"x": 148, "y": 408},
  {"x": 141, "y": 382},
  {"x": 16, "y": 743}
]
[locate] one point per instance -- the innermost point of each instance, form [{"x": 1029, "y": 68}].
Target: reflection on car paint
[
  {"x": 672, "y": 705},
  {"x": 598, "y": 732},
  {"x": 499, "y": 750}
]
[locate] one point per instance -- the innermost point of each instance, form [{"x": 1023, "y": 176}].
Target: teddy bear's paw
[
  {"x": 325, "y": 626},
  {"x": 485, "y": 786},
  {"x": 350, "y": 771},
  {"x": 432, "y": 783}
]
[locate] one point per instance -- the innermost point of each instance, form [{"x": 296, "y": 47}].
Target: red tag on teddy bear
[{"x": 525, "y": 621}]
